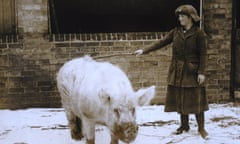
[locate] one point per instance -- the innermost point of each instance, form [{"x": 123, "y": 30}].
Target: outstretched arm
[{"x": 161, "y": 43}]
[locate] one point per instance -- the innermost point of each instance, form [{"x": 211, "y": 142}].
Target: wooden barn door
[{"x": 7, "y": 17}]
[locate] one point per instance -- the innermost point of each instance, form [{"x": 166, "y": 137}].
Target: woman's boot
[
  {"x": 184, "y": 125},
  {"x": 200, "y": 121}
]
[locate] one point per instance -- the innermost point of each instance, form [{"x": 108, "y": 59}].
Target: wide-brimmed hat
[{"x": 188, "y": 10}]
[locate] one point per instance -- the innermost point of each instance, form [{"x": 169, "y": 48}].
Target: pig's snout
[{"x": 128, "y": 132}]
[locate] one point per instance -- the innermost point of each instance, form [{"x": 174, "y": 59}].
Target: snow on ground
[{"x": 49, "y": 126}]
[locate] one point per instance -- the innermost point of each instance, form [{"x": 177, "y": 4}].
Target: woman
[{"x": 186, "y": 90}]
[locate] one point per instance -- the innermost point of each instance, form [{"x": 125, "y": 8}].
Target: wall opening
[
  {"x": 238, "y": 14},
  {"x": 7, "y": 17},
  {"x": 103, "y": 16},
  {"x": 236, "y": 45}
]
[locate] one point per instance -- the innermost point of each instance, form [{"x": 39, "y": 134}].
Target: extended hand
[
  {"x": 138, "y": 52},
  {"x": 201, "y": 79}
]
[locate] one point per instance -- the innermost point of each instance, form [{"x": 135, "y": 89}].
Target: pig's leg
[
  {"x": 114, "y": 139},
  {"x": 114, "y": 135},
  {"x": 89, "y": 130},
  {"x": 75, "y": 124}
]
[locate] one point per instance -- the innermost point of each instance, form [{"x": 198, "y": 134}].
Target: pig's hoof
[
  {"x": 76, "y": 135},
  {"x": 91, "y": 141}
]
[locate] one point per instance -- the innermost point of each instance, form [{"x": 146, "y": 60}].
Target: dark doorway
[
  {"x": 7, "y": 17},
  {"x": 238, "y": 14},
  {"x": 236, "y": 44},
  {"x": 98, "y": 16}
]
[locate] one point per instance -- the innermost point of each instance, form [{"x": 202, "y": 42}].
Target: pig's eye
[
  {"x": 133, "y": 110},
  {"x": 117, "y": 111}
]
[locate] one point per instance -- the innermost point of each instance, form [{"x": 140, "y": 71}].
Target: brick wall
[
  {"x": 30, "y": 60},
  {"x": 28, "y": 67},
  {"x": 32, "y": 16},
  {"x": 26, "y": 79},
  {"x": 218, "y": 24}
]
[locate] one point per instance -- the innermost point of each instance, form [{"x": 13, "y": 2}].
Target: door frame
[{"x": 233, "y": 50}]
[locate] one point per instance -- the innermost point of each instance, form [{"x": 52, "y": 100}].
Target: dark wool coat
[
  {"x": 184, "y": 94},
  {"x": 189, "y": 55}
]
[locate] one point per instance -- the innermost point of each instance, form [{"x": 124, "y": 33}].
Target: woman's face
[{"x": 184, "y": 19}]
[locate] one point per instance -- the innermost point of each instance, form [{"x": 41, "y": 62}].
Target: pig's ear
[
  {"x": 144, "y": 96},
  {"x": 104, "y": 96}
]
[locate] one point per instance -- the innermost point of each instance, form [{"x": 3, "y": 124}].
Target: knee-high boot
[
  {"x": 200, "y": 121},
  {"x": 184, "y": 124}
]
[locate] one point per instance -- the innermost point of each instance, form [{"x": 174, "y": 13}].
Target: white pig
[{"x": 100, "y": 93}]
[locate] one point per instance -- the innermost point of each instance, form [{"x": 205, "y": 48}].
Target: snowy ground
[{"x": 49, "y": 126}]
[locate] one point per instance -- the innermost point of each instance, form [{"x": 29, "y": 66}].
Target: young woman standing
[{"x": 186, "y": 89}]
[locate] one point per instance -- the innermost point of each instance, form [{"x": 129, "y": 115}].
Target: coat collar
[{"x": 188, "y": 33}]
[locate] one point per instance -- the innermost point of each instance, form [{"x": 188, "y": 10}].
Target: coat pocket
[{"x": 193, "y": 67}]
